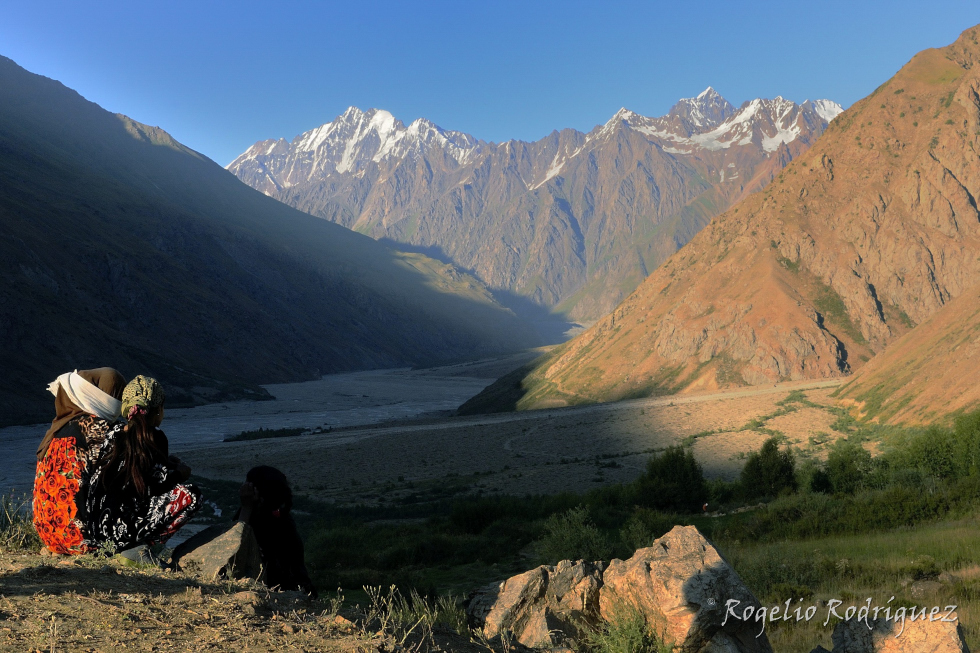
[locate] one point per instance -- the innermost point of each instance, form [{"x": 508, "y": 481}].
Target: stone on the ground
[
  {"x": 228, "y": 550},
  {"x": 544, "y": 607},
  {"x": 923, "y": 588},
  {"x": 681, "y": 585},
  {"x": 889, "y": 636}
]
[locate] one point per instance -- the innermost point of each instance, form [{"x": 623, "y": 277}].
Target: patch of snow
[
  {"x": 555, "y": 168},
  {"x": 827, "y": 109}
]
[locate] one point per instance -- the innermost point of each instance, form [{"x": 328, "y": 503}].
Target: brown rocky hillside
[
  {"x": 869, "y": 233},
  {"x": 930, "y": 372}
]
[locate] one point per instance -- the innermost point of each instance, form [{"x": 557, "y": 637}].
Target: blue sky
[{"x": 222, "y": 75}]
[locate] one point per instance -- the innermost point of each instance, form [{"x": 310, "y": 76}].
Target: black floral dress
[{"x": 117, "y": 513}]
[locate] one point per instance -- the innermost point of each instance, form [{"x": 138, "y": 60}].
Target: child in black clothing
[{"x": 266, "y": 505}]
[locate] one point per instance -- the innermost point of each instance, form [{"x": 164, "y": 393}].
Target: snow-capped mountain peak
[
  {"x": 353, "y": 140},
  {"x": 704, "y": 111},
  {"x": 357, "y": 140},
  {"x": 710, "y": 122},
  {"x": 826, "y": 109}
]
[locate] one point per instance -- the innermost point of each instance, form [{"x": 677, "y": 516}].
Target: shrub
[
  {"x": 769, "y": 472},
  {"x": 820, "y": 482},
  {"x": 847, "y": 465},
  {"x": 643, "y": 527},
  {"x": 626, "y": 631},
  {"x": 967, "y": 443},
  {"x": 572, "y": 535},
  {"x": 673, "y": 480}
]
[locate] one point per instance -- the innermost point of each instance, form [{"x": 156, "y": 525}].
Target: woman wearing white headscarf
[{"x": 87, "y": 405}]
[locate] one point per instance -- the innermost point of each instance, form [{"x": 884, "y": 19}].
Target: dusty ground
[
  {"x": 89, "y": 604},
  {"x": 547, "y": 451},
  {"x": 387, "y": 435}
]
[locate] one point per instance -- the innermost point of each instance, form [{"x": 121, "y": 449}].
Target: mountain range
[
  {"x": 572, "y": 222},
  {"x": 871, "y": 233},
  {"x": 123, "y": 247}
]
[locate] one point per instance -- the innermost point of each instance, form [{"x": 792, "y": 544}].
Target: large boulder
[
  {"x": 227, "y": 550},
  {"x": 890, "y": 636},
  {"x": 540, "y": 608},
  {"x": 682, "y": 586}
]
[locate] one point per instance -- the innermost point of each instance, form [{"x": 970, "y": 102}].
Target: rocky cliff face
[
  {"x": 574, "y": 221},
  {"x": 870, "y": 232}
]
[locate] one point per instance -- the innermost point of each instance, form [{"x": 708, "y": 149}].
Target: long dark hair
[{"x": 133, "y": 454}]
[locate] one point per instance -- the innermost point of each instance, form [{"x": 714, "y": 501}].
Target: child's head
[
  {"x": 274, "y": 494},
  {"x": 142, "y": 400},
  {"x": 135, "y": 446}
]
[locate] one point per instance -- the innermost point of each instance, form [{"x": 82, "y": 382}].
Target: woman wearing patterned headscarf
[
  {"x": 137, "y": 495},
  {"x": 86, "y": 408}
]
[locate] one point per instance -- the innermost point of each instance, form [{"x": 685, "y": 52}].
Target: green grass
[
  {"x": 627, "y": 631},
  {"x": 16, "y": 526},
  {"x": 855, "y": 567},
  {"x": 831, "y": 305}
]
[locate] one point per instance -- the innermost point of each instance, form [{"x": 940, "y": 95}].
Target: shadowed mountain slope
[
  {"x": 573, "y": 221},
  {"x": 122, "y": 247},
  {"x": 871, "y": 231}
]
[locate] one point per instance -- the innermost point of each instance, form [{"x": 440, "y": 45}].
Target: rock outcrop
[
  {"x": 222, "y": 550},
  {"x": 890, "y": 636},
  {"x": 542, "y": 607},
  {"x": 680, "y": 585}
]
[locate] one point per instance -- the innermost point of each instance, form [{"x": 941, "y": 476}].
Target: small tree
[
  {"x": 847, "y": 465},
  {"x": 572, "y": 535},
  {"x": 769, "y": 472},
  {"x": 673, "y": 480}
]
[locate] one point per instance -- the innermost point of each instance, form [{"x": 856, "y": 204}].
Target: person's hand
[
  {"x": 183, "y": 470},
  {"x": 248, "y": 494}
]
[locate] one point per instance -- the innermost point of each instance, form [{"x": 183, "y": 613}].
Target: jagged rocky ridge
[
  {"x": 574, "y": 221},
  {"x": 869, "y": 233}
]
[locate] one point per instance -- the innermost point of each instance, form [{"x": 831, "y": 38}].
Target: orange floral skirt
[{"x": 55, "y": 488}]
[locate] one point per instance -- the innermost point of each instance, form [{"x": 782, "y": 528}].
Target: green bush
[
  {"x": 643, "y": 527},
  {"x": 626, "y": 631},
  {"x": 847, "y": 465},
  {"x": 673, "y": 480},
  {"x": 572, "y": 535},
  {"x": 769, "y": 472},
  {"x": 820, "y": 482}
]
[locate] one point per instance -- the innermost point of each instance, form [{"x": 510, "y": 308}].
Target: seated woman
[
  {"x": 267, "y": 503},
  {"x": 86, "y": 409},
  {"x": 136, "y": 492}
]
